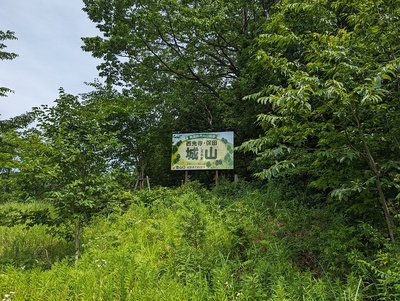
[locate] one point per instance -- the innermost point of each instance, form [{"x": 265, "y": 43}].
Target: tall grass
[
  {"x": 23, "y": 245},
  {"x": 187, "y": 244}
]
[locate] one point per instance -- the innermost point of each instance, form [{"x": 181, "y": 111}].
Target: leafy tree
[
  {"x": 11, "y": 144},
  {"x": 189, "y": 58},
  {"x": 137, "y": 123},
  {"x": 76, "y": 161},
  {"x": 334, "y": 84},
  {"x": 8, "y": 162},
  {"x": 9, "y": 137},
  {"x": 4, "y": 55}
]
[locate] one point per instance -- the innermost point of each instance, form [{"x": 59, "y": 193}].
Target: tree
[
  {"x": 134, "y": 119},
  {"x": 9, "y": 137},
  {"x": 12, "y": 141},
  {"x": 334, "y": 89},
  {"x": 8, "y": 162},
  {"x": 4, "y": 55},
  {"x": 76, "y": 161},
  {"x": 188, "y": 57}
]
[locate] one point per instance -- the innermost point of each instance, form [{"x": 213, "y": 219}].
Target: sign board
[{"x": 199, "y": 151}]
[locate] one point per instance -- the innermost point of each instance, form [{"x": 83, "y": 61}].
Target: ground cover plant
[{"x": 235, "y": 242}]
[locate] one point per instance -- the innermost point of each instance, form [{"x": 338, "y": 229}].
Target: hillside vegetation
[
  {"x": 310, "y": 90},
  {"x": 234, "y": 242}
]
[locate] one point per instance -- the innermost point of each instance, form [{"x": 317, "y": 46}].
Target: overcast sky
[{"x": 49, "y": 47}]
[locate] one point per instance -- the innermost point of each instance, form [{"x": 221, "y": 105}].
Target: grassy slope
[{"x": 234, "y": 243}]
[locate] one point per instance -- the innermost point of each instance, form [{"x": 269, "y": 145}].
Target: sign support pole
[
  {"x": 216, "y": 178},
  {"x": 186, "y": 176}
]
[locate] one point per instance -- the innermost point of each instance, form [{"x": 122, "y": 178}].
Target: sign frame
[{"x": 202, "y": 151}]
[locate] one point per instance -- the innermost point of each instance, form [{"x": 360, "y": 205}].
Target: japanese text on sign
[{"x": 202, "y": 151}]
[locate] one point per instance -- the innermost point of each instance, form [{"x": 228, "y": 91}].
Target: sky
[{"x": 49, "y": 53}]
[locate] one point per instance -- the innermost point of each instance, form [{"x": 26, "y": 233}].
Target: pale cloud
[{"x": 50, "y": 56}]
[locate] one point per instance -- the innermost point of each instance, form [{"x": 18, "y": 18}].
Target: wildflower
[
  {"x": 101, "y": 263},
  {"x": 7, "y": 297}
]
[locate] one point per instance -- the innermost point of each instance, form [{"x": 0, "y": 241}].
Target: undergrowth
[{"x": 232, "y": 243}]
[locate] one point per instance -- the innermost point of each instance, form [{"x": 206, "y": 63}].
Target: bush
[{"x": 193, "y": 244}]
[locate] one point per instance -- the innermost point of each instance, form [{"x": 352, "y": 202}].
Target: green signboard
[{"x": 197, "y": 151}]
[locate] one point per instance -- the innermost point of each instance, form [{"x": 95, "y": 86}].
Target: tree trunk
[
  {"x": 78, "y": 226},
  {"x": 388, "y": 217},
  {"x": 375, "y": 169}
]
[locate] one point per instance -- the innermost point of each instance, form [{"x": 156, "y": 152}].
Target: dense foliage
[
  {"x": 311, "y": 90},
  {"x": 233, "y": 243},
  {"x": 334, "y": 99},
  {"x": 188, "y": 58}
]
